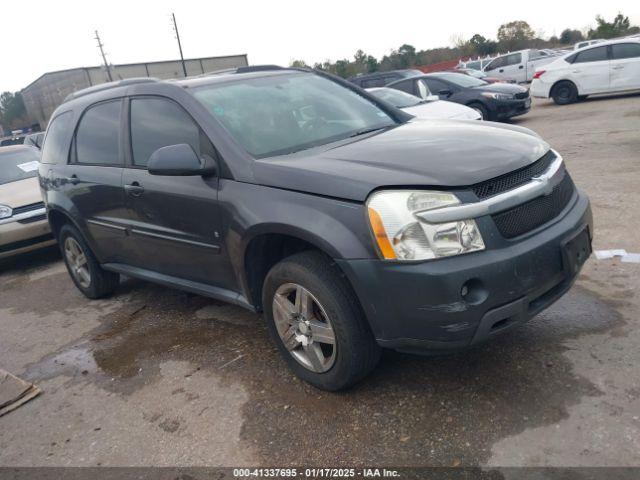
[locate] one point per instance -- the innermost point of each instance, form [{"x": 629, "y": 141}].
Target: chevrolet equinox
[{"x": 350, "y": 224}]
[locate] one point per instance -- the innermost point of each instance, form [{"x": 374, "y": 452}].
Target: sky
[{"x": 55, "y": 35}]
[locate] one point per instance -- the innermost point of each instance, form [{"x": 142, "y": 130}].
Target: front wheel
[
  {"x": 564, "y": 93},
  {"x": 317, "y": 323}
]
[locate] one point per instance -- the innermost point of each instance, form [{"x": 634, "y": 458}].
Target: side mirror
[
  {"x": 445, "y": 93},
  {"x": 432, "y": 98},
  {"x": 179, "y": 160}
]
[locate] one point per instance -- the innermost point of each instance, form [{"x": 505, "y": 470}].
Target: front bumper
[
  {"x": 420, "y": 307},
  {"x": 23, "y": 235},
  {"x": 512, "y": 108}
]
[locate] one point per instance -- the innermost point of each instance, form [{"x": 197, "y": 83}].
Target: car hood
[
  {"x": 20, "y": 193},
  {"x": 435, "y": 153},
  {"x": 501, "y": 88},
  {"x": 442, "y": 109}
]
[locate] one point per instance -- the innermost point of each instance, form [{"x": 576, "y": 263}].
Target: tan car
[{"x": 23, "y": 219}]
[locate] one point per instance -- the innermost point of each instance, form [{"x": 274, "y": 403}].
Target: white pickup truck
[{"x": 520, "y": 65}]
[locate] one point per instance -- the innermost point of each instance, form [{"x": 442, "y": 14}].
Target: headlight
[
  {"x": 5, "y": 212},
  {"x": 498, "y": 96},
  {"x": 401, "y": 234}
]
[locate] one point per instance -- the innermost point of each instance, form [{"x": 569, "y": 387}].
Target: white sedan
[
  {"x": 430, "y": 108},
  {"x": 605, "y": 67}
]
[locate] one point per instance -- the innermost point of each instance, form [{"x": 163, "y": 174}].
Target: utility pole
[
  {"x": 175, "y": 28},
  {"x": 104, "y": 57}
]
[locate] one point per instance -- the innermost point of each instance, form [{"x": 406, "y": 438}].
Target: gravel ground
[{"x": 154, "y": 376}]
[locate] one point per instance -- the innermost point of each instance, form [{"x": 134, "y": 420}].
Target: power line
[
  {"x": 104, "y": 57},
  {"x": 175, "y": 29}
]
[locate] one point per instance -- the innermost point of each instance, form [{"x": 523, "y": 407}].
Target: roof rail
[
  {"x": 107, "y": 86},
  {"x": 258, "y": 68},
  {"x": 247, "y": 69}
]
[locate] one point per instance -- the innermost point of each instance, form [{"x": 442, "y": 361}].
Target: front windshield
[
  {"x": 461, "y": 80},
  {"x": 281, "y": 114},
  {"x": 396, "y": 97},
  {"x": 17, "y": 165}
]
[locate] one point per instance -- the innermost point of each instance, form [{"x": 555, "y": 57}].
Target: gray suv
[{"x": 350, "y": 224}]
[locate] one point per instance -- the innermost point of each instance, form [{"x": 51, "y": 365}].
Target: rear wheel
[
  {"x": 564, "y": 93},
  {"x": 481, "y": 109},
  {"x": 316, "y": 322},
  {"x": 83, "y": 267}
]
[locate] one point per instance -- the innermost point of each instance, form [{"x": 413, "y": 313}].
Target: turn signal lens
[
  {"x": 381, "y": 235},
  {"x": 538, "y": 74}
]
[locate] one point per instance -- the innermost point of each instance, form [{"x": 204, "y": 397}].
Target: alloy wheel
[
  {"x": 304, "y": 327},
  {"x": 77, "y": 261}
]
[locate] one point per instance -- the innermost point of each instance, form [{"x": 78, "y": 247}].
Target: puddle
[{"x": 77, "y": 360}]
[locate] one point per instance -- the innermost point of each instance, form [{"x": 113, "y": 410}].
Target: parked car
[
  {"x": 497, "y": 101},
  {"x": 13, "y": 140},
  {"x": 605, "y": 67},
  {"x": 380, "y": 79},
  {"x": 519, "y": 66},
  {"x": 34, "y": 140},
  {"x": 23, "y": 220},
  {"x": 424, "y": 108},
  {"x": 298, "y": 194},
  {"x": 482, "y": 76},
  {"x": 587, "y": 43}
]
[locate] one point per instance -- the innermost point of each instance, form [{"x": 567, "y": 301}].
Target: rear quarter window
[{"x": 57, "y": 138}]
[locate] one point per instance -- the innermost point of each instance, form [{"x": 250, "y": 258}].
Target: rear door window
[
  {"x": 98, "y": 136},
  {"x": 596, "y": 54}
]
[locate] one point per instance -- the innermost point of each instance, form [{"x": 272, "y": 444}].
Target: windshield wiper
[{"x": 365, "y": 131}]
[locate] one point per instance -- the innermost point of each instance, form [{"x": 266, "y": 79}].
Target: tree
[
  {"x": 569, "y": 37},
  {"x": 515, "y": 35},
  {"x": 365, "y": 63},
  {"x": 13, "y": 113},
  {"x": 299, "y": 64},
  {"x": 482, "y": 46},
  {"x": 619, "y": 27}
]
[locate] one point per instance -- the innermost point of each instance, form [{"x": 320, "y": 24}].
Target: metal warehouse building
[{"x": 43, "y": 96}]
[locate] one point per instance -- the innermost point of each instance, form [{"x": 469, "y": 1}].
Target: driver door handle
[
  {"x": 73, "y": 179},
  {"x": 134, "y": 189}
]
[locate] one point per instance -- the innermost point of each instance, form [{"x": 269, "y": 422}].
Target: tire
[
  {"x": 333, "y": 306},
  {"x": 564, "y": 93},
  {"x": 83, "y": 267},
  {"x": 481, "y": 109}
]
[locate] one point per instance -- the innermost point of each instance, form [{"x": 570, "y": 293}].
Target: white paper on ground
[
  {"x": 602, "y": 254},
  {"x": 631, "y": 258}
]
